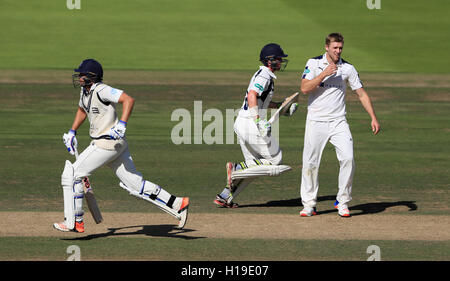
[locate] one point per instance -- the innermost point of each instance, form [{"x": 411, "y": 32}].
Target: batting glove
[
  {"x": 292, "y": 109},
  {"x": 70, "y": 141},
  {"x": 264, "y": 127},
  {"x": 118, "y": 130}
]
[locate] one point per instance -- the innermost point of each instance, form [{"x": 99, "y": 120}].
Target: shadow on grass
[
  {"x": 295, "y": 202},
  {"x": 367, "y": 208},
  {"x": 373, "y": 208},
  {"x": 147, "y": 230}
]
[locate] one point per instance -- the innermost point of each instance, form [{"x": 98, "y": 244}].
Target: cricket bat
[
  {"x": 90, "y": 198},
  {"x": 91, "y": 202},
  {"x": 284, "y": 107}
]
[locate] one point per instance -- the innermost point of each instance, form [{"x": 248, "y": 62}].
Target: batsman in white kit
[
  {"x": 261, "y": 150},
  {"x": 108, "y": 147},
  {"x": 324, "y": 80}
]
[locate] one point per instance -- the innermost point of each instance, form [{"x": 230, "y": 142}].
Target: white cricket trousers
[
  {"x": 254, "y": 146},
  {"x": 317, "y": 134},
  {"x": 119, "y": 161}
]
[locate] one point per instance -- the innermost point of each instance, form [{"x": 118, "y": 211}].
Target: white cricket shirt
[
  {"x": 327, "y": 102},
  {"x": 99, "y": 105},
  {"x": 262, "y": 83}
]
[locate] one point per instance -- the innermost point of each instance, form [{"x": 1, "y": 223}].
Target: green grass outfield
[
  {"x": 403, "y": 36},
  {"x": 173, "y": 249}
]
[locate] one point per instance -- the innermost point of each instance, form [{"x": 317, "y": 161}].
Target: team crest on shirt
[{"x": 259, "y": 86}]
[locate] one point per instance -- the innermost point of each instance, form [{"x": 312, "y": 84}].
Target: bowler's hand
[
  {"x": 331, "y": 69},
  {"x": 375, "y": 126}
]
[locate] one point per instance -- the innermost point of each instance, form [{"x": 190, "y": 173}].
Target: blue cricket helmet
[
  {"x": 271, "y": 52},
  {"x": 91, "y": 70},
  {"x": 92, "y": 67}
]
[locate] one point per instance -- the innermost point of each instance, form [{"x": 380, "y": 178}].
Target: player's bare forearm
[
  {"x": 127, "y": 106},
  {"x": 252, "y": 99},
  {"x": 308, "y": 86},
  {"x": 367, "y": 104},
  {"x": 80, "y": 116}
]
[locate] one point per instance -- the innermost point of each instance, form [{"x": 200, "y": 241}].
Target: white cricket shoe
[
  {"x": 223, "y": 203},
  {"x": 61, "y": 226},
  {"x": 183, "y": 211},
  {"x": 343, "y": 210},
  {"x": 308, "y": 212}
]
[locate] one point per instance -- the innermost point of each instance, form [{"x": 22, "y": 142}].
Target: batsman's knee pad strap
[
  {"x": 170, "y": 202},
  {"x": 78, "y": 188},
  {"x": 79, "y": 213},
  {"x": 156, "y": 193},
  {"x": 150, "y": 189}
]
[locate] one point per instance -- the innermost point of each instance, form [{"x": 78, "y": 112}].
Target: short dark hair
[{"x": 334, "y": 37}]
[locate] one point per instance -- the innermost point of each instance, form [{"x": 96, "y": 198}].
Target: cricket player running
[
  {"x": 324, "y": 81},
  {"x": 108, "y": 147},
  {"x": 261, "y": 151}
]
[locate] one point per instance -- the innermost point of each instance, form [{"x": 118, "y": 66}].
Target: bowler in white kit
[
  {"x": 108, "y": 147},
  {"x": 325, "y": 80}
]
